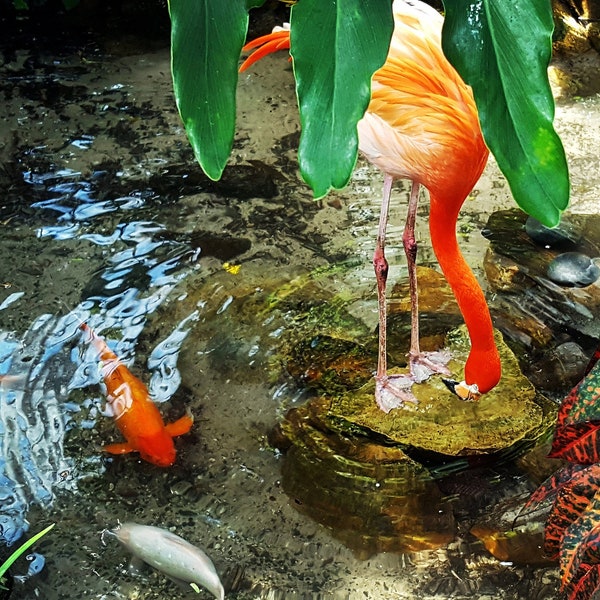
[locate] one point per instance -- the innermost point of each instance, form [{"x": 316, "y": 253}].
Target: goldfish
[
  {"x": 136, "y": 415},
  {"x": 171, "y": 554}
]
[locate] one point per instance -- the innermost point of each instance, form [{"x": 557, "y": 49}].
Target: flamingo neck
[{"x": 483, "y": 364}]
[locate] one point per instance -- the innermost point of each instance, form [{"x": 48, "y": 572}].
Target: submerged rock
[
  {"x": 512, "y": 536},
  {"x": 515, "y": 546},
  {"x": 532, "y": 310},
  {"x": 563, "y": 367},
  {"x": 372, "y": 497},
  {"x": 443, "y": 423},
  {"x": 329, "y": 363},
  {"x": 564, "y": 235}
]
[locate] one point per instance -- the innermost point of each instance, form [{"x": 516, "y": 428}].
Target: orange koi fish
[{"x": 135, "y": 414}]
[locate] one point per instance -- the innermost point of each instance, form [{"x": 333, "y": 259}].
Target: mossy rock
[{"x": 442, "y": 423}]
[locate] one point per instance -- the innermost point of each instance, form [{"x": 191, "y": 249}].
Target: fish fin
[
  {"x": 136, "y": 566},
  {"x": 181, "y": 426},
  {"x": 121, "y": 448}
]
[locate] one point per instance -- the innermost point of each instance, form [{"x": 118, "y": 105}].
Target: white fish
[{"x": 171, "y": 555}]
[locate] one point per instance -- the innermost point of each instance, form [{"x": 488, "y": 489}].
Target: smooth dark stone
[
  {"x": 563, "y": 235},
  {"x": 573, "y": 269}
]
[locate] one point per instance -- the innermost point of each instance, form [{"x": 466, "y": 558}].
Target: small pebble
[{"x": 573, "y": 269}]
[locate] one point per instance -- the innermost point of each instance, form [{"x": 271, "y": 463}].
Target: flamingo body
[{"x": 422, "y": 124}]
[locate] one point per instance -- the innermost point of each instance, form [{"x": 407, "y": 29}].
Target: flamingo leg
[
  {"x": 422, "y": 364},
  {"x": 381, "y": 266},
  {"x": 390, "y": 391},
  {"x": 394, "y": 391},
  {"x": 410, "y": 250}
]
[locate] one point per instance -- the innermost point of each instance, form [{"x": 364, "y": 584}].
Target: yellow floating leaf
[{"x": 233, "y": 269}]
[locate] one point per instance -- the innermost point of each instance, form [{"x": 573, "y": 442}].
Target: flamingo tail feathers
[{"x": 266, "y": 44}]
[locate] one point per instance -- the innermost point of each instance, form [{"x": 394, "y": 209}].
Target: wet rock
[
  {"x": 523, "y": 323},
  {"x": 442, "y": 423},
  {"x": 573, "y": 269},
  {"x": 533, "y": 311},
  {"x": 564, "y": 366},
  {"x": 536, "y": 464},
  {"x": 512, "y": 536},
  {"x": 355, "y": 469},
  {"x": 515, "y": 546}
]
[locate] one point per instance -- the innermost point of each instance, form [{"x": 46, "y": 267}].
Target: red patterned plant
[{"x": 573, "y": 526}]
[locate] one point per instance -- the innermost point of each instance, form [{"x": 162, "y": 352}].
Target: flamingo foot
[
  {"x": 425, "y": 364},
  {"x": 394, "y": 391}
]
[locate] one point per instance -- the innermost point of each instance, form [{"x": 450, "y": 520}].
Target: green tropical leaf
[
  {"x": 502, "y": 50},
  {"x": 336, "y": 47},
  {"x": 206, "y": 41}
]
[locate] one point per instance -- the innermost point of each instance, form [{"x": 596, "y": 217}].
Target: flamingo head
[{"x": 469, "y": 393}]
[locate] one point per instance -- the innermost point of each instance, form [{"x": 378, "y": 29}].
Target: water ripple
[
  {"x": 42, "y": 367},
  {"x": 163, "y": 361},
  {"x": 32, "y": 423}
]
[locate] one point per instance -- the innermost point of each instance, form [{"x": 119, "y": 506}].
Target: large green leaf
[
  {"x": 336, "y": 46},
  {"x": 206, "y": 40},
  {"x": 502, "y": 48}
]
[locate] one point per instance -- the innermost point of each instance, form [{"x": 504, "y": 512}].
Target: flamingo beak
[{"x": 466, "y": 392}]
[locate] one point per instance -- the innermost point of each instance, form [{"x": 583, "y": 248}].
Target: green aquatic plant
[{"x": 7, "y": 564}]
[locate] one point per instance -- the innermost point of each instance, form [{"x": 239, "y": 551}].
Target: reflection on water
[
  {"x": 32, "y": 424},
  {"x": 49, "y": 361}
]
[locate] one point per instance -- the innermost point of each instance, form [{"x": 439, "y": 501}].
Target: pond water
[{"x": 107, "y": 220}]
